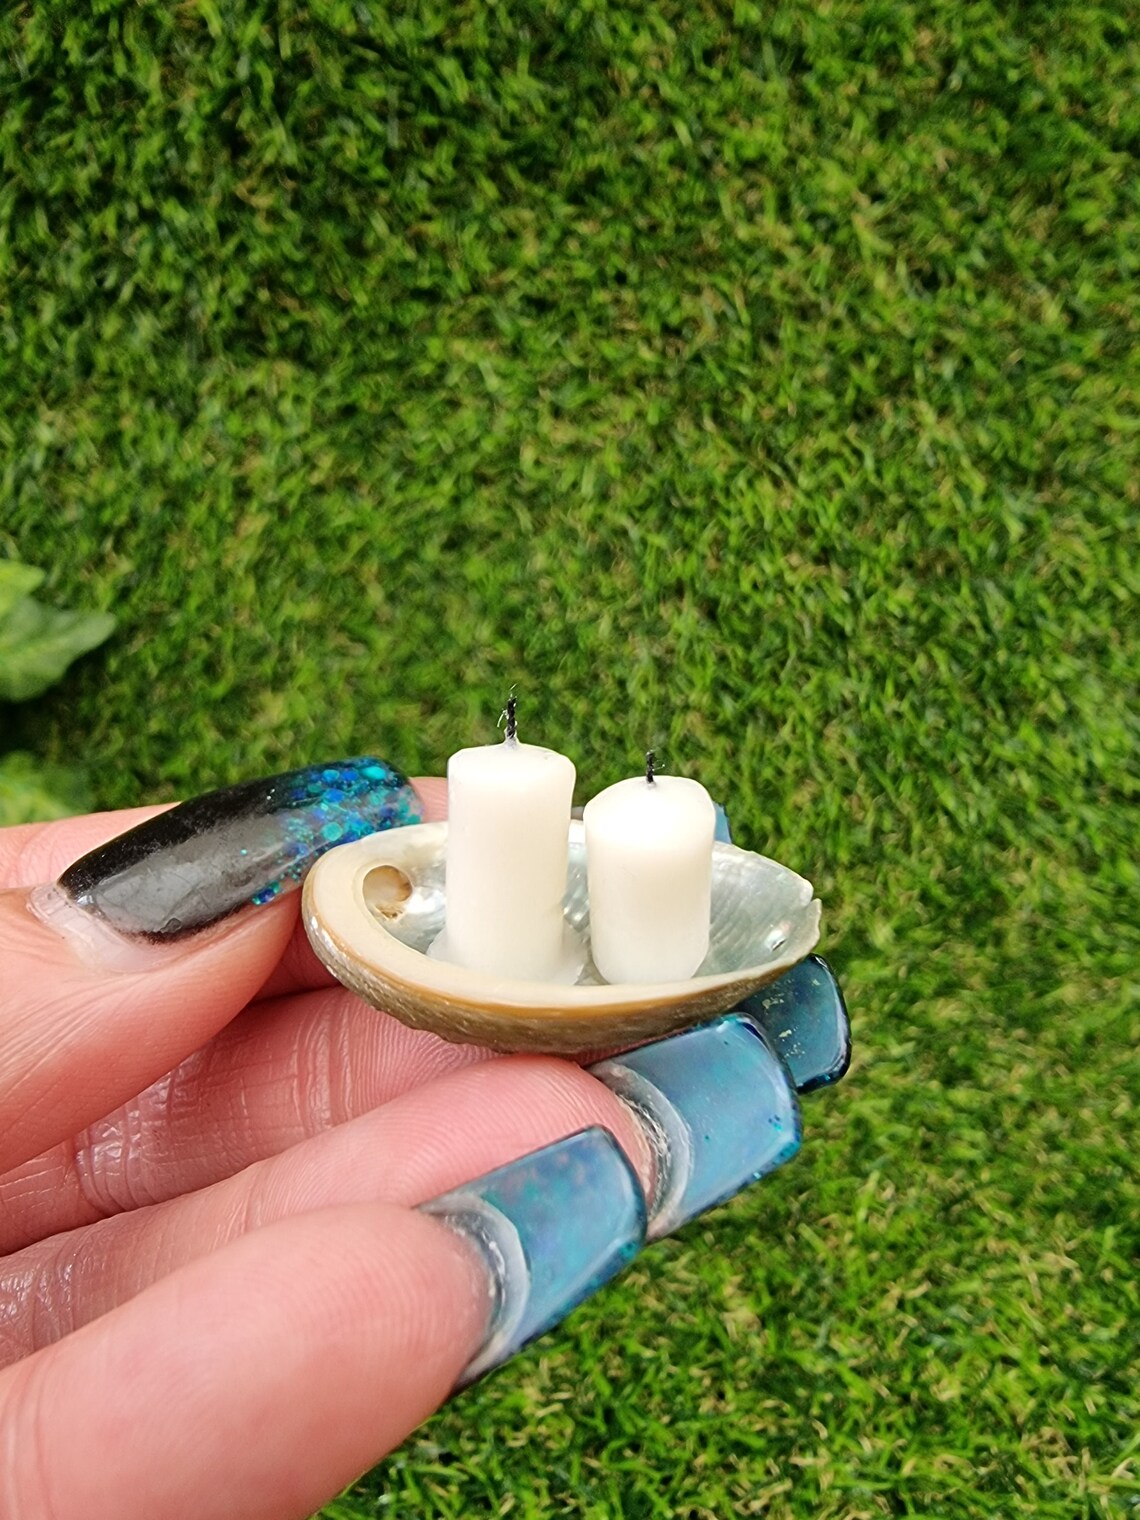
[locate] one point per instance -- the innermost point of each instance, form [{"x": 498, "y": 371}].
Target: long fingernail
[
  {"x": 250, "y": 843},
  {"x": 805, "y": 1018},
  {"x": 719, "y": 1111},
  {"x": 552, "y": 1228}
]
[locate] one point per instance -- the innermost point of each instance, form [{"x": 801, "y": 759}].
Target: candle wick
[
  {"x": 512, "y": 709},
  {"x": 650, "y": 761}
]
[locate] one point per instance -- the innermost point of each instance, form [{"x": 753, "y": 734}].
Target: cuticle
[
  {"x": 507, "y": 1288},
  {"x": 469, "y": 1224},
  {"x": 660, "y": 1151}
]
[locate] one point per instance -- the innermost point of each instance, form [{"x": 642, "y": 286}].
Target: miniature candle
[
  {"x": 649, "y": 871},
  {"x": 508, "y": 808}
]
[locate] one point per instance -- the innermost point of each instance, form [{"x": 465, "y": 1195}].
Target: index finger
[
  {"x": 34, "y": 853},
  {"x": 257, "y": 1380}
]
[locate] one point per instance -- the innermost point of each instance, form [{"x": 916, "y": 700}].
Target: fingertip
[
  {"x": 91, "y": 1017},
  {"x": 97, "y": 946},
  {"x": 318, "y": 1344},
  {"x": 432, "y": 792}
]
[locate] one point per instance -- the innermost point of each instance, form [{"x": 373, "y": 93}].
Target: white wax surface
[
  {"x": 508, "y": 809},
  {"x": 649, "y": 870}
]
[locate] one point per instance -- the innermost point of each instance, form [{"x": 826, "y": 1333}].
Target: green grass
[{"x": 758, "y": 382}]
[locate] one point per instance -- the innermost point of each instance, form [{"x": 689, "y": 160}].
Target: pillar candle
[
  {"x": 508, "y": 808},
  {"x": 649, "y": 871}
]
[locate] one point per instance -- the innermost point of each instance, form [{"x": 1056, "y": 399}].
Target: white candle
[
  {"x": 649, "y": 870},
  {"x": 508, "y": 812}
]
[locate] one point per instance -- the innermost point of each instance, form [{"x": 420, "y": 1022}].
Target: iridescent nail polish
[
  {"x": 718, "y": 1109},
  {"x": 244, "y": 844},
  {"x": 804, "y": 1016},
  {"x": 552, "y": 1227}
]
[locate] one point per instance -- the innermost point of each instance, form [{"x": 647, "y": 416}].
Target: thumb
[
  {"x": 78, "y": 1037},
  {"x": 151, "y": 943}
]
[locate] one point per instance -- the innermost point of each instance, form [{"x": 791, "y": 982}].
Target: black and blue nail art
[{"x": 244, "y": 844}]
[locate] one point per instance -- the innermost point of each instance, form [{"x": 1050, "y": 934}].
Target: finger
[
  {"x": 93, "y": 1011},
  {"x": 282, "y": 1071},
  {"x": 74, "y": 1042},
  {"x": 39, "y": 852},
  {"x": 280, "y": 1368},
  {"x": 432, "y": 791},
  {"x": 288, "y": 1362},
  {"x": 424, "y": 1143},
  {"x": 291, "y": 1068}
]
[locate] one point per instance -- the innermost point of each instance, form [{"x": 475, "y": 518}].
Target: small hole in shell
[
  {"x": 386, "y": 889},
  {"x": 776, "y": 939}
]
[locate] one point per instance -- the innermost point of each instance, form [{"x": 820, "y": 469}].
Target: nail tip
[
  {"x": 842, "y": 1063},
  {"x": 718, "y": 1107},
  {"x": 722, "y": 831},
  {"x": 93, "y": 941}
]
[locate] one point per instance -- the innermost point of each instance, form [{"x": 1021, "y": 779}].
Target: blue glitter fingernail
[
  {"x": 552, "y": 1226},
  {"x": 245, "y": 844},
  {"x": 805, "y": 1018},
  {"x": 718, "y": 1109}
]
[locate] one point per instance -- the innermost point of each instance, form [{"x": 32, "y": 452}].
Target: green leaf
[
  {"x": 16, "y": 582},
  {"x": 31, "y": 792},
  {"x": 38, "y": 643}
]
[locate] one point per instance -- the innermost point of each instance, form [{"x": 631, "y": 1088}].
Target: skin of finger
[
  {"x": 75, "y": 1041},
  {"x": 279, "y": 1073},
  {"x": 33, "y": 853},
  {"x": 281, "y": 1367},
  {"x": 298, "y": 970},
  {"x": 416, "y": 1147}
]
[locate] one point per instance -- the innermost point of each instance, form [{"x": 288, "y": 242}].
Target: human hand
[{"x": 246, "y": 1257}]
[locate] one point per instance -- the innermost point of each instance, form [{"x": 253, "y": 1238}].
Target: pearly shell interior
[{"x": 371, "y": 910}]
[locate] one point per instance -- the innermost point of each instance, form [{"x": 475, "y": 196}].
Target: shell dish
[{"x": 372, "y": 908}]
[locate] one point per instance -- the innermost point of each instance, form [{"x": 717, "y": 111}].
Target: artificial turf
[{"x": 755, "y": 381}]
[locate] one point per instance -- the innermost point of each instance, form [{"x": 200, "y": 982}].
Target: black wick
[
  {"x": 512, "y": 709},
  {"x": 650, "y": 761}
]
